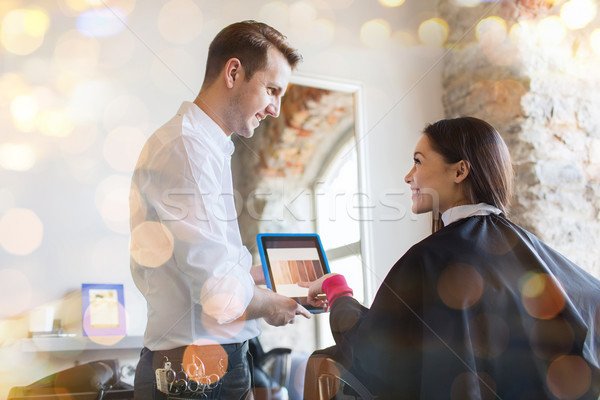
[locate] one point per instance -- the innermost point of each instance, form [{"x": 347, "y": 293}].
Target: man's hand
[
  {"x": 284, "y": 311},
  {"x": 277, "y": 310}
]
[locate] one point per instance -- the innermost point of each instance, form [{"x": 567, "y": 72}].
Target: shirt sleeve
[{"x": 196, "y": 208}]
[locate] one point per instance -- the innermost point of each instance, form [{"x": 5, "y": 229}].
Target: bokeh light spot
[
  {"x": 73, "y": 7},
  {"x": 15, "y": 292},
  {"x": 223, "y": 298},
  {"x": 460, "y": 286},
  {"x": 12, "y": 85},
  {"x": 37, "y": 22},
  {"x": 569, "y": 377},
  {"x": 122, "y": 147},
  {"x": 576, "y": 14},
  {"x": 434, "y": 32},
  {"x": 542, "y": 296},
  {"x": 304, "y": 14},
  {"x": 551, "y": 30},
  {"x": 274, "y": 13},
  {"x": 56, "y": 123},
  {"x": 375, "y": 33},
  {"x": 101, "y": 23},
  {"x": 522, "y": 32},
  {"x": 112, "y": 200},
  {"x": 551, "y": 338},
  {"x": 595, "y": 40},
  {"x": 534, "y": 285},
  {"x": 322, "y": 33},
  {"x": 180, "y": 21},
  {"x": 24, "y": 108},
  {"x": 17, "y": 157},
  {"x": 391, "y": 3},
  {"x": 104, "y": 340},
  {"x": 21, "y": 231},
  {"x": 76, "y": 54},
  {"x": 151, "y": 244},
  {"x": 137, "y": 206},
  {"x": 205, "y": 361},
  {"x": 491, "y": 30},
  {"x": 22, "y": 31}
]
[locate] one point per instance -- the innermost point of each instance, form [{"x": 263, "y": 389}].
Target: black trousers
[{"x": 189, "y": 361}]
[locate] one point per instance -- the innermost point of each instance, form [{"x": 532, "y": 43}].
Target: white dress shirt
[
  {"x": 459, "y": 212},
  {"x": 187, "y": 256}
]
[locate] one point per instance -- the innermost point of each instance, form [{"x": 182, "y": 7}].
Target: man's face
[{"x": 254, "y": 99}]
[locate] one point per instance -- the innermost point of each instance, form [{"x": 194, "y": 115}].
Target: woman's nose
[{"x": 408, "y": 177}]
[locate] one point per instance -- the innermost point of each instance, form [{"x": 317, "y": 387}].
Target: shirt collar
[
  {"x": 459, "y": 212},
  {"x": 198, "y": 120}
]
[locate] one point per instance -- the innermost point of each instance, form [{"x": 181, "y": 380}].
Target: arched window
[{"x": 337, "y": 206}]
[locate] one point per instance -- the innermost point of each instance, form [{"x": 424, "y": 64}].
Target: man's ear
[
  {"x": 233, "y": 71},
  {"x": 463, "y": 167}
]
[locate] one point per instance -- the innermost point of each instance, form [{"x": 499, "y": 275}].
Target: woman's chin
[{"x": 417, "y": 209}]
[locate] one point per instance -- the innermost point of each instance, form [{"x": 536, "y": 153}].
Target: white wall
[{"x": 127, "y": 85}]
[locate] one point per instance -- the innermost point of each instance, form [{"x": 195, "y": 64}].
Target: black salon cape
[{"x": 481, "y": 309}]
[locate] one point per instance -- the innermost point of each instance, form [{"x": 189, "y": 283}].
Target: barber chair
[
  {"x": 97, "y": 380},
  {"x": 270, "y": 371},
  {"x": 327, "y": 379},
  {"x": 277, "y": 374}
]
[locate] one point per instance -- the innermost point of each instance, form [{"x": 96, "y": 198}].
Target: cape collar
[{"x": 459, "y": 212}]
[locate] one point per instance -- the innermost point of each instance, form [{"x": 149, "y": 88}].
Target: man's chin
[{"x": 245, "y": 134}]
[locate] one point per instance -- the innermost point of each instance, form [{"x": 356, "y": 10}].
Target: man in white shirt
[{"x": 187, "y": 256}]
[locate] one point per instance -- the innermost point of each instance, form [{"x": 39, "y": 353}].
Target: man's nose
[{"x": 273, "y": 108}]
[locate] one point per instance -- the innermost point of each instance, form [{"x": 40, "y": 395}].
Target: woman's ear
[
  {"x": 463, "y": 167},
  {"x": 233, "y": 70}
]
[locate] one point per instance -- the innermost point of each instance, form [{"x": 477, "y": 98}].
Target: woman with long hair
[{"x": 481, "y": 308}]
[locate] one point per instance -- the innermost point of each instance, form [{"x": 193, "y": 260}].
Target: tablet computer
[{"x": 289, "y": 258}]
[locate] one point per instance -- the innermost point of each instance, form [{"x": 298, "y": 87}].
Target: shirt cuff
[{"x": 335, "y": 287}]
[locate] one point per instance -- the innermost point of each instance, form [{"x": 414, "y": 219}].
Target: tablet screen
[{"x": 291, "y": 258}]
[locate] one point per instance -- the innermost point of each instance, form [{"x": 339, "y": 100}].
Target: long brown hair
[
  {"x": 490, "y": 178},
  {"x": 248, "y": 41}
]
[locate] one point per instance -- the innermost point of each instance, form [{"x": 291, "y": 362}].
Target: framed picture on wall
[{"x": 103, "y": 309}]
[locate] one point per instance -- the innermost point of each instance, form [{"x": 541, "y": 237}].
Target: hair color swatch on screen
[{"x": 287, "y": 272}]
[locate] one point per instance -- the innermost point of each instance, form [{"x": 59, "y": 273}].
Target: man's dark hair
[{"x": 249, "y": 42}]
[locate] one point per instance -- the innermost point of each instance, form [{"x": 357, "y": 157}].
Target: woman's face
[{"x": 433, "y": 181}]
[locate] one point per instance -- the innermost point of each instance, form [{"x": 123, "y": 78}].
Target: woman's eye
[
  {"x": 270, "y": 91},
  {"x": 417, "y": 161}
]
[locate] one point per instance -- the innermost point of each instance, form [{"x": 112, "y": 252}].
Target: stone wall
[{"x": 543, "y": 96}]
